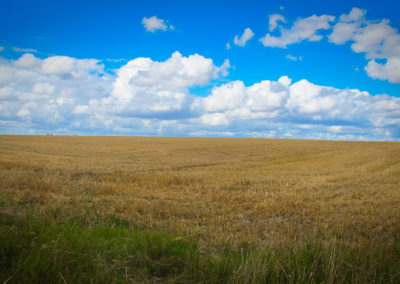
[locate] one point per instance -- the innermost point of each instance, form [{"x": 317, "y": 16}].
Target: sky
[{"x": 265, "y": 69}]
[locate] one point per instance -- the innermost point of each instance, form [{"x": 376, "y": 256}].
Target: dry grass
[
  {"x": 234, "y": 190},
  {"x": 260, "y": 192}
]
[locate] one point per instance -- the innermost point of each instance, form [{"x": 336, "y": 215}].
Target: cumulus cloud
[
  {"x": 64, "y": 65},
  {"x": 144, "y": 87},
  {"x": 152, "y": 24},
  {"x": 302, "y": 29},
  {"x": 343, "y": 32},
  {"x": 388, "y": 71},
  {"x": 246, "y": 36},
  {"x": 267, "y": 95},
  {"x": 285, "y": 80},
  {"x": 300, "y": 108},
  {"x": 225, "y": 97},
  {"x": 378, "y": 40},
  {"x": 146, "y": 97},
  {"x": 39, "y": 93},
  {"x": 28, "y": 60},
  {"x": 355, "y": 15},
  {"x": 273, "y": 21}
]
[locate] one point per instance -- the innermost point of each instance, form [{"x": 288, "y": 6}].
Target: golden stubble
[{"x": 262, "y": 192}]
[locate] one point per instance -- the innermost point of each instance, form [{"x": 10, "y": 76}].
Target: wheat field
[{"x": 258, "y": 194}]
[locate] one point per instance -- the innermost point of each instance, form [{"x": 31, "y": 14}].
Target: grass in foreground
[{"x": 37, "y": 250}]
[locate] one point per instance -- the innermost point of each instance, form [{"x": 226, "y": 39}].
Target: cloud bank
[{"x": 65, "y": 95}]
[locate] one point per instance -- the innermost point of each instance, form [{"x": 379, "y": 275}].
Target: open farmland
[{"x": 218, "y": 210}]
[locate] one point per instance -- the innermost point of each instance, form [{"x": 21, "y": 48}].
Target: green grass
[
  {"x": 109, "y": 250},
  {"x": 39, "y": 251}
]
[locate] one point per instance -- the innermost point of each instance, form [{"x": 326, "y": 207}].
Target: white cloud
[
  {"x": 228, "y": 46},
  {"x": 285, "y": 80},
  {"x": 147, "y": 97},
  {"x": 335, "y": 128},
  {"x": 175, "y": 73},
  {"x": 28, "y": 60},
  {"x": 306, "y": 98},
  {"x": 267, "y": 95},
  {"x": 273, "y": 21},
  {"x": 116, "y": 60},
  {"x": 288, "y": 106},
  {"x": 23, "y": 112},
  {"x": 302, "y": 29},
  {"x": 205, "y": 133},
  {"x": 64, "y": 65},
  {"x": 30, "y": 50},
  {"x": 154, "y": 23},
  {"x": 80, "y": 109},
  {"x": 43, "y": 88},
  {"x": 214, "y": 119},
  {"x": 1, "y": 48},
  {"x": 389, "y": 71},
  {"x": 372, "y": 40},
  {"x": 144, "y": 87},
  {"x": 225, "y": 97},
  {"x": 343, "y": 32},
  {"x": 356, "y": 14},
  {"x": 232, "y": 102},
  {"x": 246, "y": 36},
  {"x": 378, "y": 40},
  {"x": 279, "y": 102},
  {"x": 294, "y": 58},
  {"x": 46, "y": 99},
  {"x": 224, "y": 68}
]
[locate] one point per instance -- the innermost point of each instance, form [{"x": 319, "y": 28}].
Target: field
[{"x": 203, "y": 210}]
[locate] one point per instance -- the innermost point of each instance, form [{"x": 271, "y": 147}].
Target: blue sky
[{"x": 302, "y": 69}]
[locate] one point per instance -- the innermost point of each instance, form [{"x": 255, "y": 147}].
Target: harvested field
[{"x": 303, "y": 211}]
